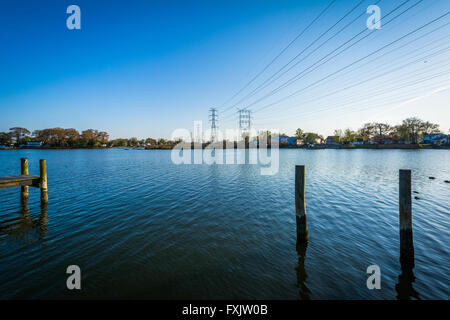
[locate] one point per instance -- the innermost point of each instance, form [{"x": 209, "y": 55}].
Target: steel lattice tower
[
  {"x": 245, "y": 120},
  {"x": 214, "y": 120}
]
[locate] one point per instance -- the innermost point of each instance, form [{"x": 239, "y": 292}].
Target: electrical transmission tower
[
  {"x": 198, "y": 135},
  {"x": 245, "y": 120},
  {"x": 214, "y": 120}
]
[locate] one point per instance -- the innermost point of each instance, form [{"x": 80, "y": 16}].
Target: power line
[
  {"x": 265, "y": 83},
  {"x": 278, "y": 55},
  {"x": 406, "y": 95},
  {"x": 252, "y": 93},
  {"x": 302, "y": 73},
  {"x": 400, "y": 98},
  {"x": 397, "y": 68},
  {"x": 340, "y": 70},
  {"x": 355, "y": 62},
  {"x": 371, "y": 96},
  {"x": 394, "y": 69}
]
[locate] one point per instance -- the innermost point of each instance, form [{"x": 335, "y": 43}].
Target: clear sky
[{"x": 146, "y": 68}]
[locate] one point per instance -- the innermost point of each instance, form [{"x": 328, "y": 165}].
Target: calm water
[{"x": 142, "y": 227}]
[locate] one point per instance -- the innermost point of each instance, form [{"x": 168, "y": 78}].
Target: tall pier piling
[
  {"x": 43, "y": 182},
  {"x": 24, "y": 172},
  {"x": 300, "y": 205},
  {"x": 25, "y": 180},
  {"x": 405, "y": 218}
]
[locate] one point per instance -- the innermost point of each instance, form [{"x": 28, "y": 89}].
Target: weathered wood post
[
  {"x": 24, "y": 172},
  {"x": 405, "y": 215},
  {"x": 300, "y": 205},
  {"x": 43, "y": 183}
]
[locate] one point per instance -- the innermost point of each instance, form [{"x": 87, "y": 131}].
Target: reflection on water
[
  {"x": 404, "y": 287},
  {"x": 301, "y": 271},
  {"x": 22, "y": 228},
  {"x": 143, "y": 227}
]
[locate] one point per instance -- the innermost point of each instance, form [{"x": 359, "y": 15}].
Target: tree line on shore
[
  {"x": 55, "y": 137},
  {"x": 71, "y": 138},
  {"x": 411, "y": 130}
]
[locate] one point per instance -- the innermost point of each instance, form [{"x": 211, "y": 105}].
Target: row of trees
[
  {"x": 134, "y": 142},
  {"x": 56, "y": 137},
  {"x": 308, "y": 137},
  {"x": 411, "y": 130},
  {"x": 16, "y": 134},
  {"x": 71, "y": 138}
]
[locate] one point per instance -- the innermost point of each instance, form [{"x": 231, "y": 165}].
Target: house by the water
[
  {"x": 436, "y": 138},
  {"x": 332, "y": 141},
  {"x": 31, "y": 144},
  {"x": 288, "y": 141}
]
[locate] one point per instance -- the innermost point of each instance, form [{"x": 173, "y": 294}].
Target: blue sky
[{"x": 146, "y": 68}]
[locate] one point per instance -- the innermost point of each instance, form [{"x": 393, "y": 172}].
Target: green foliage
[
  {"x": 5, "y": 138},
  {"x": 133, "y": 142},
  {"x": 310, "y": 138},
  {"x": 151, "y": 141},
  {"x": 18, "y": 134},
  {"x": 410, "y": 130},
  {"x": 350, "y": 135},
  {"x": 118, "y": 143},
  {"x": 299, "y": 134},
  {"x": 70, "y": 138}
]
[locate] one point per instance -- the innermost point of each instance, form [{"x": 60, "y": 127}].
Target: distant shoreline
[{"x": 319, "y": 147}]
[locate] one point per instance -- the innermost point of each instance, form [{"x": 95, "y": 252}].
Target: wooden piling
[
  {"x": 43, "y": 182},
  {"x": 24, "y": 171},
  {"x": 300, "y": 205},
  {"x": 405, "y": 216}
]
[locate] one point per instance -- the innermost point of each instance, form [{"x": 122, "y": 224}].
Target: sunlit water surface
[{"x": 141, "y": 227}]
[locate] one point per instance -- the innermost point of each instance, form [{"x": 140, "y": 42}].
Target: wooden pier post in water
[
  {"x": 405, "y": 215},
  {"x": 300, "y": 205},
  {"x": 24, "y": 172},
  {"x": 43, "y": 181},
  {"x": 25, "y": 180}
]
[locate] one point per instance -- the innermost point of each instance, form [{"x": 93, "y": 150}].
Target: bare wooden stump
[{"x": 300, "y": 204}]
